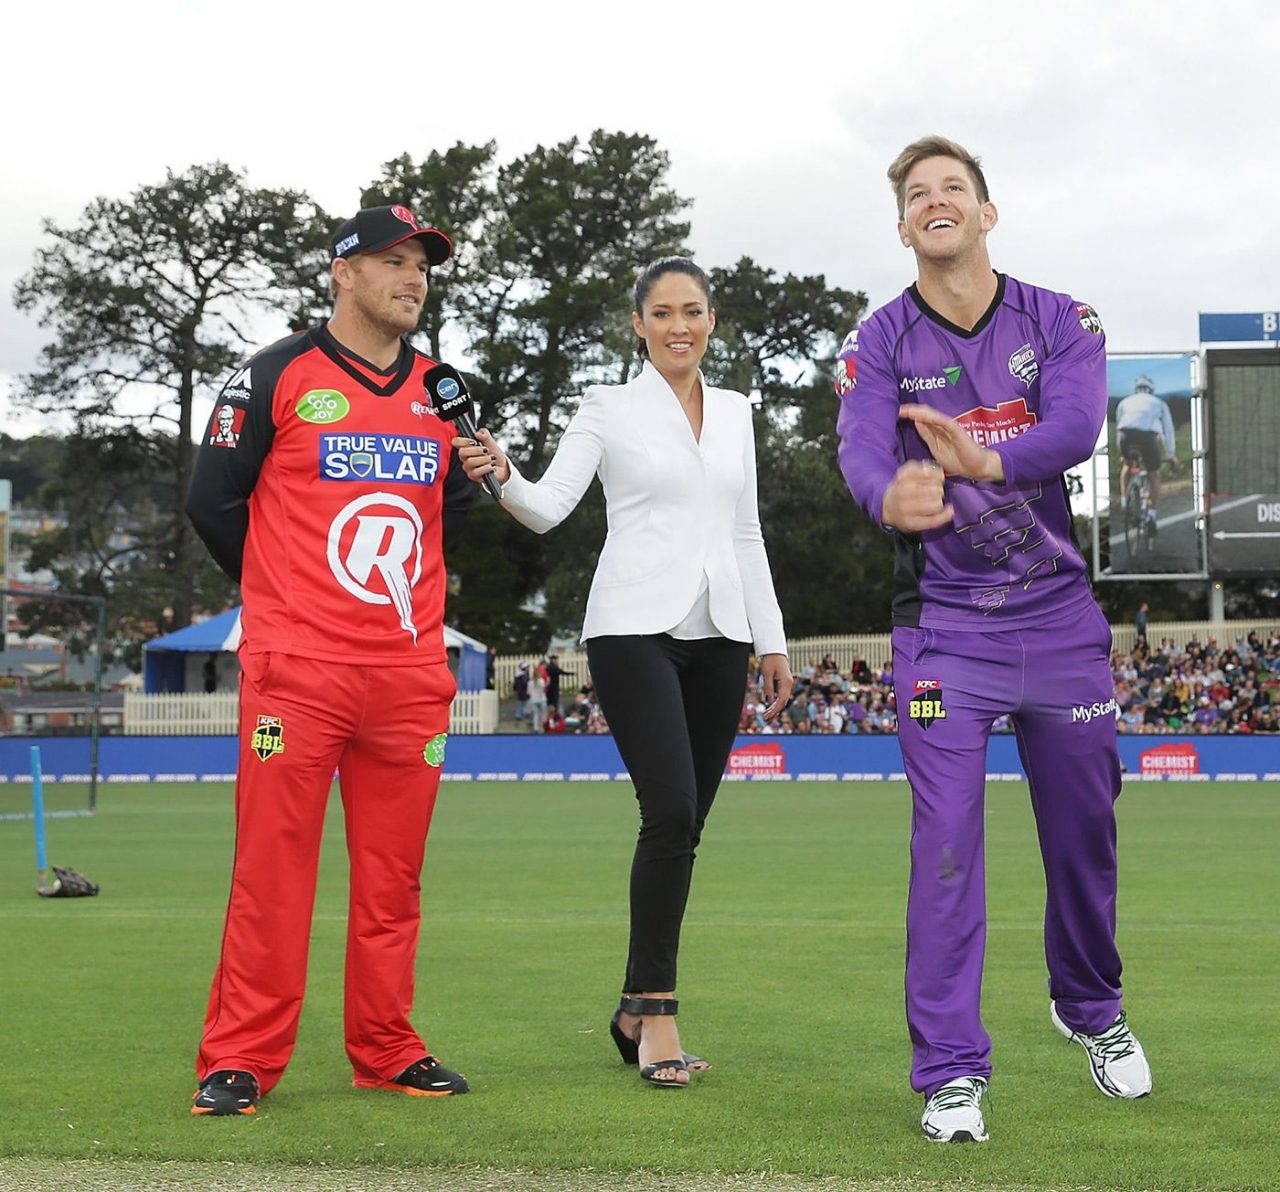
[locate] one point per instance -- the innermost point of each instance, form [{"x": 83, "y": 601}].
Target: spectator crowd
[{"x": 1197, "y": 688}]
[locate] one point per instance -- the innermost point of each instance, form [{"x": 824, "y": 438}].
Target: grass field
[{"x": 791, "y": 983}]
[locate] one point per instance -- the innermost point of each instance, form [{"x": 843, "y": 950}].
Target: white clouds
[{"x": 1130, "y": 147}]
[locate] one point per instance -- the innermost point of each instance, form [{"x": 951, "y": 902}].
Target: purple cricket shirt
[{"x": 1030, "y": 382}]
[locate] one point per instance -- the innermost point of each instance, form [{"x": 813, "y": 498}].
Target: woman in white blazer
[{"x": 681, "y": 595}]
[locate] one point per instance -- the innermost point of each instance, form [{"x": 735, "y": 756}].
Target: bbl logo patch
[
  {"x": 1088, "y": 318},
  {"x": 433, "y": 751},
  {"x": 926, "y": 703},
  {"x": 268, "y": 737}
]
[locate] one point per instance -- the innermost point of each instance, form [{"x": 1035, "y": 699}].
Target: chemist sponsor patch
[
  {"x": 987, "y": 427},
  {"x": 926, "y": 703}
]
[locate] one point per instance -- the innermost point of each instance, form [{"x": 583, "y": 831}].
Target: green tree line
[{"x": 151, "y": 300}]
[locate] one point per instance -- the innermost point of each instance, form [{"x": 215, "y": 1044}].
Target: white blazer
[{"x": 677, "y": 508}]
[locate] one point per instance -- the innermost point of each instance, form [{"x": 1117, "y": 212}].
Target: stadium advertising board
[
  {"x": 1241, "y": 328},
  {"x": 1242, "y": 391},
  {"x": 1151, "y": 437},
  {"x": 6, "y": 494}
]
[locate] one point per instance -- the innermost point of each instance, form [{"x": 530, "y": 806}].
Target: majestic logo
[
  {"x": 433, "y": 751},
  {"x": 395, "y": 459},
  {"x": 404, "y": 215},
  {"x": 1024, "y": 366},
  {"x": 322, "y": 406},
  {"x": 987, "y": 427},
  {"x": 1088, "y": 318},
  {"x": 846, "y": 375},
  {"x": 1084, "y": 713},
  {"x": 379, "y": 534},
  {"x": 926, "y": 703},
  {"x": 268, "y": 737},
  {"x": 240, "y": 386},
  {"x": 225, "y": 429}
]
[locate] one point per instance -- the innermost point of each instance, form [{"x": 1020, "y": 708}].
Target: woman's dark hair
[{"x": 659, "y": 268}]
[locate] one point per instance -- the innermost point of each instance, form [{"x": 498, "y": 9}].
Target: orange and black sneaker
[
  {"x": 226, "y": 1092},
  {"x": 429, "y": 1078}
]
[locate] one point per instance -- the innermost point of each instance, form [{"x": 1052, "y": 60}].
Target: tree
[
  {"x": 116, "y": 489},
  {"x": 150, "y": 299},
  {"x": 453, "y": 191},
  {"x": 573, "y": 225},
  {"x": 777, "y": 337}
]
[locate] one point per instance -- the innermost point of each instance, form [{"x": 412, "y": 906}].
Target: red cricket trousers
[{"x": 382, "y": 728}]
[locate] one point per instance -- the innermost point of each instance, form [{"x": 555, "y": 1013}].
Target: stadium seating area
[{"x": 1198, "y": 687}]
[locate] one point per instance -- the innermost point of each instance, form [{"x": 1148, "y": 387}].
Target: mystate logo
[{"x": 1084, "y": 713}]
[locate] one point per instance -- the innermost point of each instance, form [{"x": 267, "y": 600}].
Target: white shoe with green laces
[
  {"x": 1116, "y": 1060},
  {"x": 954, "y": 1112}
]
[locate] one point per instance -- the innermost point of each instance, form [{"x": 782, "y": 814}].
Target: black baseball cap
[{"x": 375, "y": 229}]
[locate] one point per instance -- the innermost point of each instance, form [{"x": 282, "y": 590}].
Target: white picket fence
[{"x": 195, "y": 714}]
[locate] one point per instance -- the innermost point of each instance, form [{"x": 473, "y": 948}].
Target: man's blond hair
[{"x": 922, "y": 150}]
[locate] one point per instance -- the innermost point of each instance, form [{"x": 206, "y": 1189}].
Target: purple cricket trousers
[{"x": 1055, "y": 682}]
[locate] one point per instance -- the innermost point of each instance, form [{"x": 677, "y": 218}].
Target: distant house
[{"x": 33, "y": 713}]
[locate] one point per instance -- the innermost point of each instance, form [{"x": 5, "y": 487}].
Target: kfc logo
[
  {"x": 225, "y": 431},
  {"x": 846, "y": 377}
]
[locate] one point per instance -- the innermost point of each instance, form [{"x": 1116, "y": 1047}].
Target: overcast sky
[{"x": 1131, "y": 148}]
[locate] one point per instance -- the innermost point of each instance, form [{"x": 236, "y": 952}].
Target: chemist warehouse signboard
[{"x": 529, "y": 758}]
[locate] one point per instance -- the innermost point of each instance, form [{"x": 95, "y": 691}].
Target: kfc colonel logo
[
  {"x": 225, "y": 431},
  {"x": 1171, "y": 759}
]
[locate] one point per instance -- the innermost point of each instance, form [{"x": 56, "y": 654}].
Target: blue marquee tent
[{"x": 165, "y": 658}]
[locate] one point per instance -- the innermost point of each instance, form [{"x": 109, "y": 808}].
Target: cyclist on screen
[{"x": 1144, "y": 427}]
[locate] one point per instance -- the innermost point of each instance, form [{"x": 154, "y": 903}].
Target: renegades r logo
[
  {"x": 268, "y": 737},
  {"x": 926, "y": 703}
]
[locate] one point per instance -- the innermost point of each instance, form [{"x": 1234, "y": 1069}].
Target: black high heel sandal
[{"x": 629, "y": 1048}]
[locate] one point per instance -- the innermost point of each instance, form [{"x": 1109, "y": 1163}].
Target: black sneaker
[
  {"x": 226, "y": 1092},
  {"x": 429, "y": 1078}
]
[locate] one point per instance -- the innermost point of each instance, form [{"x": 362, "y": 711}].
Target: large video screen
[
  {"x": 1154, "y": 522},
  {"x": 1242, "y": 391}
]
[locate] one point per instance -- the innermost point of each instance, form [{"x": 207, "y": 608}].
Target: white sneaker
[
  {"x": 1116, "y": 1060},
  {"x": 954, "y": 1112}
]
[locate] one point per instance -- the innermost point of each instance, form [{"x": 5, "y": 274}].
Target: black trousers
[{"x": 673, "y": 707}]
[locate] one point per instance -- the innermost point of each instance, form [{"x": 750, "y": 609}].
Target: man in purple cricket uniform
[{"x": 963, "y": 402}]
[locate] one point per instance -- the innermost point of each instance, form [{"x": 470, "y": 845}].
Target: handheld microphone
[{"x": 449, "y": 400}]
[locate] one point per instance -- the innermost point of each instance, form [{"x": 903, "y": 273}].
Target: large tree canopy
[{"x": 151, "y": 300}]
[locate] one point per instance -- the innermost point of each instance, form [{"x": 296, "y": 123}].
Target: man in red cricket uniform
[{"x": 324, "y": 486}]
